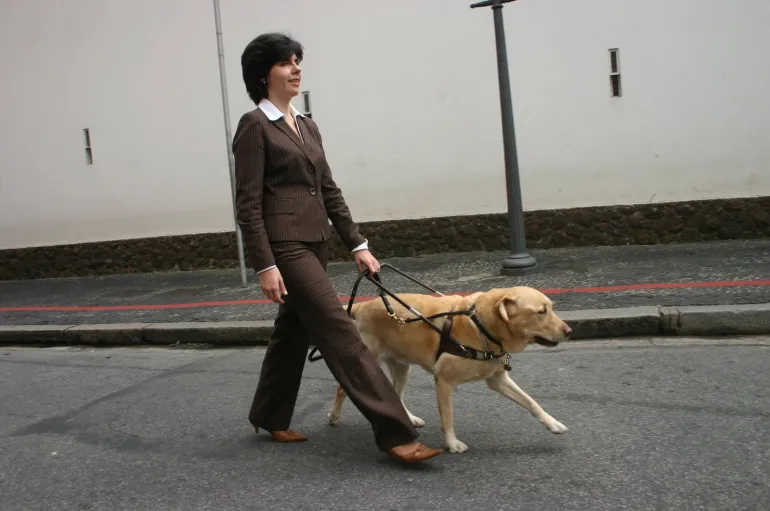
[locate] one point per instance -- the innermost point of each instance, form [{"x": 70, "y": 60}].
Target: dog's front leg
[
  {"x": 502, "y": 383},
  {"x": 444, "y": 396}
]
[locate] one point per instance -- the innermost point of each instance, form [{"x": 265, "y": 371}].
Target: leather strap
[{"x": 448, "y": 345}]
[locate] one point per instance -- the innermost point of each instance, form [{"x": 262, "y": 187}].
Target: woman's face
[{"x": 283, "y": 80}]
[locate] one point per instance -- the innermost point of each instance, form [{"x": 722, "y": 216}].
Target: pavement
[
  {"x": 714, "y": 288},
  {"x": 654, "y": 423}
]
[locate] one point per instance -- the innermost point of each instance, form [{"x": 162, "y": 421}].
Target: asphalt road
[{"x": 680, "y": 425}]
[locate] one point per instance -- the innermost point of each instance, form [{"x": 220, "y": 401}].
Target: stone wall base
[{"x": 644, "y": 224}]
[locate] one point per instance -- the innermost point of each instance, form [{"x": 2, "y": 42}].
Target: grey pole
[
  {"x": 519, "y": 260},
  {"x": 229, "y": 137}
]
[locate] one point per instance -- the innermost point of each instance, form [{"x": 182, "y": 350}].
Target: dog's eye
[{"x": 544, "y": 310}]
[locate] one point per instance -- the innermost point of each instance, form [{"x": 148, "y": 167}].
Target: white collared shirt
[{"x": 273, "y": 114}]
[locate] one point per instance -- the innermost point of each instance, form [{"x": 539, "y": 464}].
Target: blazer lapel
[{"x": 284, "y": 126}]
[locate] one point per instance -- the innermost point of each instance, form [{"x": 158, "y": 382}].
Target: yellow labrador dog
[{"x": 513, "y": 317}]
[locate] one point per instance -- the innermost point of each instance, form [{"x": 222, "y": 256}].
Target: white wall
[
  {"x": 143, "y": 76},
  {"x": 405, "y": 95}
]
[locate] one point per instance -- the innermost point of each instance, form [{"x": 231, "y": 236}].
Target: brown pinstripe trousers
[{"x": 312, "y": 308}]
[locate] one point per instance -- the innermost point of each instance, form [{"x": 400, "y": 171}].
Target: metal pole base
[{"x": 517, "y": 264}]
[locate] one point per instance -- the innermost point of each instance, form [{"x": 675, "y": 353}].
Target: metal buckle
[{"x": 399, "y": 320}]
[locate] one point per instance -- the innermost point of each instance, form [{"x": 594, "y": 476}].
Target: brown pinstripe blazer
[{"x": 284, "y": 190}]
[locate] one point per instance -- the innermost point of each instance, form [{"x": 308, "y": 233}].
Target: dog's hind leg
[
  {"x": 333, "y": 416},
  {"x": 399, "y": 372},
  {"x": 502, "y": 383},
  {"x": 334, "y": 413}
]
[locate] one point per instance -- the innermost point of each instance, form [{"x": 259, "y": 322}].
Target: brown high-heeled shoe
[
  {"x": 420, "y": 453},
  {"x": 285, "y": 437}
]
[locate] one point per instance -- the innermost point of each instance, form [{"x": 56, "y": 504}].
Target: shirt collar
[{"x": 272, "y": 112}]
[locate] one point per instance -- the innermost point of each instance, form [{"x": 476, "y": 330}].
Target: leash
[{"x": 448, "y": 344}]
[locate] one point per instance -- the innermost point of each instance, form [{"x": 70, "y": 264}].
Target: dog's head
[{"x": 524, "y": 315}]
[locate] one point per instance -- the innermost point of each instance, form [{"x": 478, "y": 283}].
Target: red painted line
[
  {"x": 264, "y": 301},
  {"x": 661, "y": 285}
]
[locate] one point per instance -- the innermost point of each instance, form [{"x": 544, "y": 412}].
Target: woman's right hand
[{"x": 272, "y": 286}]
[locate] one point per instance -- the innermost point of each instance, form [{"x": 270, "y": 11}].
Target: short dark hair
[{"x": 260, "y": 55}]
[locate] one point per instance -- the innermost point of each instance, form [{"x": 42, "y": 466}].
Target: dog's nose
[{"x": 567, "y": 332}]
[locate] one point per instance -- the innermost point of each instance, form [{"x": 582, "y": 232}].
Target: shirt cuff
[
  {"x": 362, "y": 246},
  {"x": 264, "y": 270}
]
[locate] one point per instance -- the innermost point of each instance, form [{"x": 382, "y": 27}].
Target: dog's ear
[{"x": 506, "y": 306}]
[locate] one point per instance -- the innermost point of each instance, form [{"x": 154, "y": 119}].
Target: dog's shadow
[
  {"x": 519, "y": 450},
  {"x": 481, "y": 444}
]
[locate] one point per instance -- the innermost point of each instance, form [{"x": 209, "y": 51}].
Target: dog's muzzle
[
  {"x": 542, "y": 341},
  {"x": 548, "y": 343}
]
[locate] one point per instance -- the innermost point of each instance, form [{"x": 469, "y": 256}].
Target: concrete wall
[
  {"x": 142, "y": 76},
  {"x": 406, "y": 97}
]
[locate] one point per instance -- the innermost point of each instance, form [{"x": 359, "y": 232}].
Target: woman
[{"x": 285, "y": 197}]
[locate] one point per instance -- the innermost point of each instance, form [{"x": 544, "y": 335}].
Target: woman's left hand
[{"x": 365, "y": 258}]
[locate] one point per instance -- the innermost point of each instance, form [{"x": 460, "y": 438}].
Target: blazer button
[
  {"x": 312, "y": 191},
  {"x": 310, "y": 169}
]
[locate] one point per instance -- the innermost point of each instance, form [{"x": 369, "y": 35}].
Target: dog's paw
[
  {"x": 455, "y": 446},
  {"x": 416, "y": 421},
  {"x": 556, "y": 427},
  {"x": 333, "y": 418}
]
